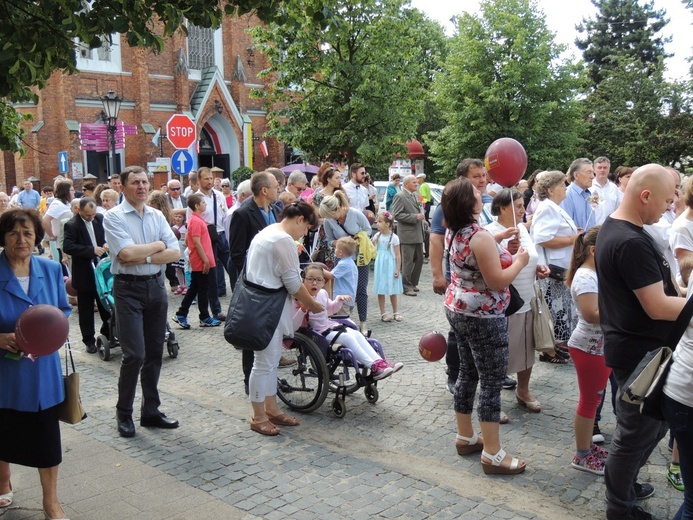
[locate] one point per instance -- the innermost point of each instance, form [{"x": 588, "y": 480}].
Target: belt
[{"x": 136, "y": 278}]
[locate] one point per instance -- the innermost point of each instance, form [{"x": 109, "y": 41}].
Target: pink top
[
  {"x": 319, "y": 321},
  {"x": 468, "y": 293},
  {"x": 197, "y": 227}
]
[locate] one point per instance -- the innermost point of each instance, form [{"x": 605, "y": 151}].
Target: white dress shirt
[
  {"x": 358, "y": 195},
  {"x": 609, "y": 200}
]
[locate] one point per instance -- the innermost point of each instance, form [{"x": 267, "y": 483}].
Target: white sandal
[
  {"x": 398, "y": 316},
  {"x": 385, "y": 317},
  {"x": 473, "y": 445},
  {"x": 8, "y": 497},
  {"x": 494, "y": 467}
]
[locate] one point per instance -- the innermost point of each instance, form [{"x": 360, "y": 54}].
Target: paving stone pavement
[{"x": 393, "y": 459}]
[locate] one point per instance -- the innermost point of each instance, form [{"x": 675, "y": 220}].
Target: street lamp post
[{"x": 111, "y": 106}]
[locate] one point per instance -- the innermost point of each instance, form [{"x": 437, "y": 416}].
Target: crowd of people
[{"x": 575, "y": 236}]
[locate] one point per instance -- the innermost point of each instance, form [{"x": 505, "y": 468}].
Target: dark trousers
[
  {"x": 85, "y": 309},
  {"x": 171, "y": 275},
  {"x": 679, "y": 417},
  {"x": 635, "y": 437},
  {"x": 199, "y": 286},
  {"x": 141, "y": 308},
  {"x": 452, "y": 356},
  {"x": 221, "y": 257}
]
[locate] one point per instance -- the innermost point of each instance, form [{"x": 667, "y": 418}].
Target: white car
[{"x": 436, "y": 194}]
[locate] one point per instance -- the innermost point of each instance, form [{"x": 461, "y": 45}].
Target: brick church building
[{"x": 208, "y": 75}]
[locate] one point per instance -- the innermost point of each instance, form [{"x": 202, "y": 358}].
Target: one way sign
[{"x": 63, "y": 163}]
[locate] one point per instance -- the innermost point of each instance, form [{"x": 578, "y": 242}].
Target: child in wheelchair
[{"x": 314, "y": 279}]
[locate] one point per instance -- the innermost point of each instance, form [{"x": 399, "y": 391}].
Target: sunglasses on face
[{"x": 174, "y": 189}]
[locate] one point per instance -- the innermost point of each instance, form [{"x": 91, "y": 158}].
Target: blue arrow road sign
[
  {"x": 63, "y": 163},
  {"x": 181, "y": 162}
]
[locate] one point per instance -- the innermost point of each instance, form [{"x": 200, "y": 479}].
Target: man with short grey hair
[
  {"x": 576, "y": 203},
  {"x": 297, "y": 183},
  {"x": 407, "y": 212},
  {"x": 178, "y": 201}
]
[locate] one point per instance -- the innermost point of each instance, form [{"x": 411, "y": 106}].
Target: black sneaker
[
  {"x": 636, "y": 513},
  {"x": 509, "y": 383},
  {"x": 643, "y": 491}
]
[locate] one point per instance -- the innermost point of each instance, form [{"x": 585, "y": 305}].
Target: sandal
[
  {"x": 385, "y": 317},
  {"x": 398, "y": 316},
  {"x": 6, "y": 499},
  {"x": 264, "y": 428},
  {"x": 552, "y": 359},
  {"x": 533, "y": 406},
  {"x": 494, "y": 467},
  {"x": 474, "y": 444},
  {"x": 282, "y": 419}
]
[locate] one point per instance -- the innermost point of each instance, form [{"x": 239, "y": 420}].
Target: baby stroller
[
  {"x": 104, "y": 290},
  {"x": 323, "y": 366}
]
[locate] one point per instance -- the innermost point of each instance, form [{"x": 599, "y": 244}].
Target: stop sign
[{"x": 181, "y": 131}]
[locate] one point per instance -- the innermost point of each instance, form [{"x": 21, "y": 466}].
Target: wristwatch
[{"x": 148, "y": 260}]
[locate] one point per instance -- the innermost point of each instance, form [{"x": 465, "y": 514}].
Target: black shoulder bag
[{"x": 212, "y": 228}]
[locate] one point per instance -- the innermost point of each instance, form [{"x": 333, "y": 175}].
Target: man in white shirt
[
  {"x": 354, "y": 189},
  {"x": 179, "y": 202},
  {"x": 605, "y": 189},
  {"x": 193, "y": 186}
]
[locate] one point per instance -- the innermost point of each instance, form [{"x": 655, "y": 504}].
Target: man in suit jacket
[
  {"x": 410, "y": 230},
  {"x": 178, "y": 201},
  {"x": 247, "y": 221},
  {"x": 85, "y": 241}
]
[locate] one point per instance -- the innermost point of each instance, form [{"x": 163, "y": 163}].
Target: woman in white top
[
  {"x": 681, "y": 234},
  {"x": 520, "y": 331},
  {"x": 587, "y": 351},
  {"x": 56, "y": 212},
  {"x": 677, "y": 406},
  {"x": 554, "y": 233},
  {"x": 273, "y": 262}
]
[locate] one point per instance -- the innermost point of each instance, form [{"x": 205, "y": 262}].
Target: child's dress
[{"x": 385, "y": 266}]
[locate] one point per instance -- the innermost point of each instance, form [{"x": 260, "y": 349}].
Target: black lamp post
[{"x": 111, "y": 106}]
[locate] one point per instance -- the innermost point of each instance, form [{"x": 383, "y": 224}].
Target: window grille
[{"x": 200, "y": 47}]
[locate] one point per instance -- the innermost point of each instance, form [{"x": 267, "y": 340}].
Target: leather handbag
[
  {"x": 645, "y": 386},
  {"x": 557, "y": 273},
  {"x": 70, "y": 411},
  {"x": 254, "y": 313},
  {"x": 542, "y": 324}
]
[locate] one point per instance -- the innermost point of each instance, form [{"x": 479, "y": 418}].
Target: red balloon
[
  {"x": 433, "y": 346},
  {"x": 41, "y": 330},
  {"x": 176, "y": 231},
  {"x": 69, "y": 289},
  {"x": 506, "y": 161},
  {"x": 369, "y": 215}
]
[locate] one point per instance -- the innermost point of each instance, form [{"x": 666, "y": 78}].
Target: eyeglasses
[
  {"x": 300, "y": 190},
  {"x": 225, "y": 185},
  {"x": 315, "y": 280},
  {"x": 174, "y": 189}
]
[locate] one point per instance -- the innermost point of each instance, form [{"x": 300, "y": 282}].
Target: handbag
[
  {"x": 645, "y": 386},
  {"x": 254, "y": 313},
  {"x": 516, "y": 301},
  {"x": 70, "y": 411},
  {"x": 542, "y": 324},
  {"x": 557, "y": 273}
]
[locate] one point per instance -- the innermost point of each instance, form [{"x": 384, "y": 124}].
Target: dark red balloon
[
  {"x": 433, "y": 346},
  {"x": 41, "y": 330},
  {"x": 176, "y": 231},
  {"x": 506, "y": 161},
  {"x": 369, "y": 215},
  {"x": 69, "y": 289}
]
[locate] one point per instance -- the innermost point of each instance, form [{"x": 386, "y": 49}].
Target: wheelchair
[{"x": 323, "y": 366}]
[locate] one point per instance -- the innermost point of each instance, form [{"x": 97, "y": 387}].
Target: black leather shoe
[
  {"x": 91, "y": 348},
  {"x": 126, "y": 427},
  {"x": 159, "y": 421}
]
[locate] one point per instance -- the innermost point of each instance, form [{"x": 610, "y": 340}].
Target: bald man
[{"x": 638, "y": 300}]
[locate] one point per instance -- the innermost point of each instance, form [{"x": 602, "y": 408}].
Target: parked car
[{"x": 436, "y": 194}]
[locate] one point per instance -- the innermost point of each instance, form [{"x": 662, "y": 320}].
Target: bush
[{"x": 241, "y": 174}]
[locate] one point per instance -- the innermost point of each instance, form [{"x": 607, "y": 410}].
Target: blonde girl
[{"x": 388, "y": 266}]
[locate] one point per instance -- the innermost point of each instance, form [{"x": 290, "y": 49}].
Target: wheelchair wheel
[
  {"x": 304, "y": 385},
  {"x": 172, "y": 344},
  {"x": 103, "y": 346},
  {"x": 371, "y": 392},
  {"x": 338, "y": 407},
  {"x": 335, "y": 370}
]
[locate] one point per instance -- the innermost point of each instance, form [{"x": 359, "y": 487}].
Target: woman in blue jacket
[{"x": 30, "y": 391}]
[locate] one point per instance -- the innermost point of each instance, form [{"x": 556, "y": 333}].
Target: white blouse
[
  {"x": 551, "y": 221},
  {"x": 524, "y": 282}
]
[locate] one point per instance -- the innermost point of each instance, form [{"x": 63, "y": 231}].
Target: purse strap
[
  {"x": 260, "y": 287},
  {"x": 680, "y": 325},
  {"x": 68, "y": 348}
]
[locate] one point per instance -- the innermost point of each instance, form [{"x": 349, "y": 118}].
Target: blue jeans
[{"x": 680, "y": 419}]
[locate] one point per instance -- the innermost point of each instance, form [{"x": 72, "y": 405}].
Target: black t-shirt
[{"x": 628, "y": 259}]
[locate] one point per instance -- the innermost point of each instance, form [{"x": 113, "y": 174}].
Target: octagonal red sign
[{"x": 181, "y": 131}]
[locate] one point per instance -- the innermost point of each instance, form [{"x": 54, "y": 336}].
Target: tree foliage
[
  {"x": 38, "y": 38},
  {"x": 635, "y": 117},
  {"x": 503, "y": 78},
  {"x": 352, "y": 89},
  {"x": 625, "y": 28}
]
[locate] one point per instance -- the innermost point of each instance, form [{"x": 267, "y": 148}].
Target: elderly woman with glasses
[{"x": 226, "y": 191}]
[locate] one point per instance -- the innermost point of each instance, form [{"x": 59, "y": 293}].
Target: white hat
[{"x": 421, "y": 175}]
